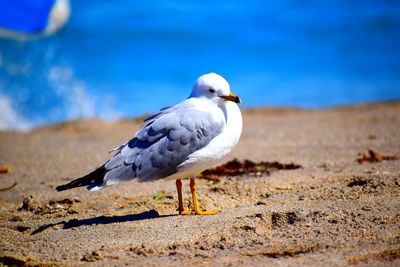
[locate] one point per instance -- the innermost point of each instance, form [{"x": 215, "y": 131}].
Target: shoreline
[{"x": 140, "y": 118}]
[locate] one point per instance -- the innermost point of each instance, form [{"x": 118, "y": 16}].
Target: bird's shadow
[{"x": 74, "y": 223}]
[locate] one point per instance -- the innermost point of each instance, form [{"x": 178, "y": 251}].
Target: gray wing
[{"x": 165, "y": 141}]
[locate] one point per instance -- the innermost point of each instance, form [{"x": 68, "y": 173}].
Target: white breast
[{"x": 212, "y": 154}]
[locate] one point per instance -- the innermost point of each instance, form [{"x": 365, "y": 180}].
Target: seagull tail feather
[{"x": 93, "y": 179}]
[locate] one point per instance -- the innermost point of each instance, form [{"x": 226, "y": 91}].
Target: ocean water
[{"x": 117, "y": 59}]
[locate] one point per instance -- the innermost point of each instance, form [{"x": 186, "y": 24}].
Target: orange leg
[
  {"x": 180, "y": 201},
  {"x": 196, "y": 210}
]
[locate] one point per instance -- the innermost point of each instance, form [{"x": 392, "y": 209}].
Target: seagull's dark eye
[{"x": 211, "y": 90}]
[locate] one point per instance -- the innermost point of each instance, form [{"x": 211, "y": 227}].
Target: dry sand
[{"x": 333, "y": 211}]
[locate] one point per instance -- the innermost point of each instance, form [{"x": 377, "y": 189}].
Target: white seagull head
[{"x": 215, "y": 88}]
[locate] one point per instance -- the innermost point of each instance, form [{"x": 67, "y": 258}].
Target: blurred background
[{"x": 117, "y": 59}]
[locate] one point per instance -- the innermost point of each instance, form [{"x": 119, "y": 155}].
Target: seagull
[{"x": 178, "y": 142}]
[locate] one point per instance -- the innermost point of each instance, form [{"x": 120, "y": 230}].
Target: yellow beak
[{"x": 232, "y": 97}]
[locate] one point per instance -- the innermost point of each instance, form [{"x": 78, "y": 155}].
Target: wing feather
[{"x": 165, "y": 141}]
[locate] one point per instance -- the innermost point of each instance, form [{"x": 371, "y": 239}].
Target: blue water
[{"x": 125, "y": 58}]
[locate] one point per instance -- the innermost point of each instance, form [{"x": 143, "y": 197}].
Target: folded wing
[{"x": 163, "y": 143}]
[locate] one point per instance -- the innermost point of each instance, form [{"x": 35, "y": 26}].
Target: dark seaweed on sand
[
  {"x": 247, "y": 167},
  {"x": 372, "y": 156}
]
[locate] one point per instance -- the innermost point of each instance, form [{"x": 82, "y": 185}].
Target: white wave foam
[
  {"x": 77, "y": 103},
  {"x": 10, "y": 119}
]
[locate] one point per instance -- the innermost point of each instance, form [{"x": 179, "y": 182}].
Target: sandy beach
[{"x": 340, "y": 208}]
